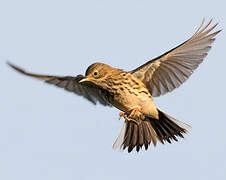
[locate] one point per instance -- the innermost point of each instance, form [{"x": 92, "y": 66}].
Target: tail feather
[{"x": 149, "y": 131}]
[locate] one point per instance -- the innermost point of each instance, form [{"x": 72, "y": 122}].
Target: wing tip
[
  {"x": 15, "y": 67},
  {"x": 204, "y": 26},
  {"x": 22, "y": 71}
]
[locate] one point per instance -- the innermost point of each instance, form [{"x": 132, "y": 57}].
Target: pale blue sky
[{"x": 47, "y": 133}]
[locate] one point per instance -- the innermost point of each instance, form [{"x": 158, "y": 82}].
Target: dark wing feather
[
  {"x": 168, "y": 71},
  {"x": 92, "y": 93}
]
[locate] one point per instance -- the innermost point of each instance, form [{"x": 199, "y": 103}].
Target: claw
[
  {"x": 121, "y": 114},
  {"x": 135, "y": 116}
]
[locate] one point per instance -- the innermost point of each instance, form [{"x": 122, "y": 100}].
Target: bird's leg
[
  {"x": 135, "y": 113},
  {"x": 136, "y": 116},
  {"x": 126, "y": 117}
]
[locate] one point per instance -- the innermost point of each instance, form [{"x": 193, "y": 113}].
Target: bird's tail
[{"x": 164, "y": 129}]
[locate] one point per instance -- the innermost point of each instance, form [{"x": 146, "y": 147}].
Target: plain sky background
[{"x": 47, "y": 133}]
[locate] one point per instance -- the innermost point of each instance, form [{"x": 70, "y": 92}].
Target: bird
[{"x": 132, "y": 91}]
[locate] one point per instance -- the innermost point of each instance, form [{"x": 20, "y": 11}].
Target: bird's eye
[{"x": 95, "y": 73}]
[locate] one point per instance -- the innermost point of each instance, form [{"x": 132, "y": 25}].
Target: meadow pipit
[{"x": 132, "y": 91}]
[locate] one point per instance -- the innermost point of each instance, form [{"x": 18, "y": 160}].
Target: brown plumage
[{"x": 132, "y": 91}]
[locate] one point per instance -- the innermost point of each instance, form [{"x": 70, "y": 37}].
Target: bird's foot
[
  {"x": 121, "y": 114},
  {"x": 135, "y": 113},
  {"x": 135, "y": 116}
]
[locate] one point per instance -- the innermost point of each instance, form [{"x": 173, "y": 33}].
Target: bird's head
[{"x": 97, "y": 73}]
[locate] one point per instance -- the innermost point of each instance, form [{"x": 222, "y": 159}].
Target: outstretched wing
[
  {"x": 90, "y": 92},
  {"x": 168, "y": 71}
]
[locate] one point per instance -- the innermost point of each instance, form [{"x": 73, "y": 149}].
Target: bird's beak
[{"x": 84, "y": 80}]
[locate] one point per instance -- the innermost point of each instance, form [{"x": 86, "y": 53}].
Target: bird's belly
[{"x": 127, "y": 101}]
